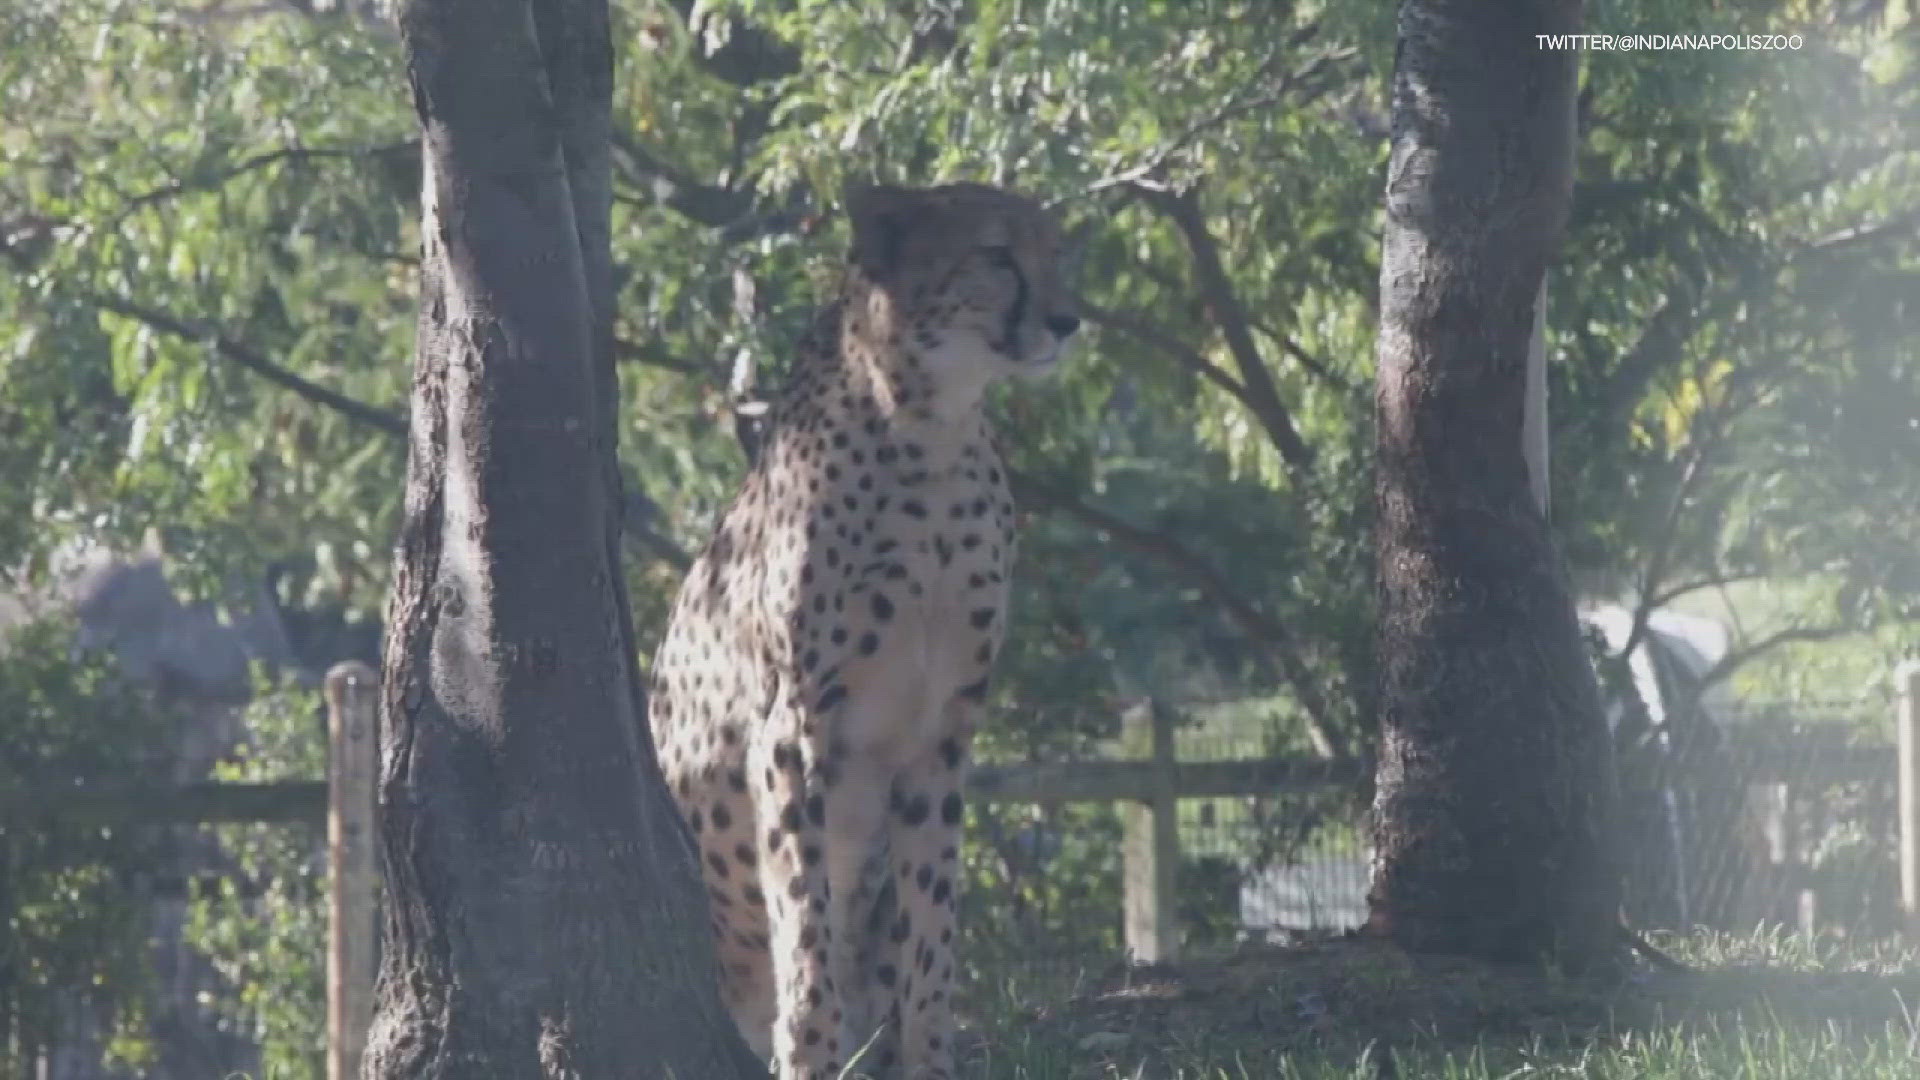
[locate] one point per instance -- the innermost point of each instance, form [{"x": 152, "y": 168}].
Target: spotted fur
[{"x": 817, "y": 689}]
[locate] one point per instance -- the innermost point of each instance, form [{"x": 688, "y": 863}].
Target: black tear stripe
[
  {"x": 893, "y": 238},
  {"x": 1018, "y": 313}
]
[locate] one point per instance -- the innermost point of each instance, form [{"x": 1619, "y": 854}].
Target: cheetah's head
[{"x": 970, "y": 276}]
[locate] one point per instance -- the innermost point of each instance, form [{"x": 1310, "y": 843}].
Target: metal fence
[
  {"x": 1183, "y": 836},
  {"x": 1766, "y": 814},
  {"x": 1758, "y": 814}
]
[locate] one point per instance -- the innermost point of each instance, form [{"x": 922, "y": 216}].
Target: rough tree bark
[
  {"x": 1491, "y": 799},
  {"x": 542, "y": 915}
]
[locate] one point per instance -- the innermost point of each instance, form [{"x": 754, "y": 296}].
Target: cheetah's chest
[{"x": 932, "y": 589}]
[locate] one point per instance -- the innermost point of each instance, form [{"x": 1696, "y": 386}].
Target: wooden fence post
[
  {"x": 1908, "y": 679},
  {"x": 353, "y": 753},
  {"x": 1150, "y": 852}
]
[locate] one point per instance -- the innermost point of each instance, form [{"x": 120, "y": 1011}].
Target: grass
[{"x": 1766, "y": 1006}]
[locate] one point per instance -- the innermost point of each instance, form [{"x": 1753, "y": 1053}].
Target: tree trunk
[
  {"x": 542, "y": 911},
  {"x": 1491, "y": 800}
]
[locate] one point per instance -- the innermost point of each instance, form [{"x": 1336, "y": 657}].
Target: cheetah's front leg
[
  {"x": 927, "y": 804},
  {"x": 810, "y": 1036},
  {"x": 857, "y": 865}
]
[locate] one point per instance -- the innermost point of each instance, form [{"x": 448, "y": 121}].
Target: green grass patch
[{"x": 1767, "y": 1006}]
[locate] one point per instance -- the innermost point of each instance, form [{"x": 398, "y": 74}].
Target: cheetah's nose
[{"x": 1063, "y": 325}]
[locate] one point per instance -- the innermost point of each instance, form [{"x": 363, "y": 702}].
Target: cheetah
[{"x": 815, "y": 694}]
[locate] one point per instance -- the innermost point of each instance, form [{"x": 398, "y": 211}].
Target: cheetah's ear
[{"x": 881, "y": 215}]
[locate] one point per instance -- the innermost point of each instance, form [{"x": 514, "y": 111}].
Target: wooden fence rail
[{"x": 205, "y": 802}]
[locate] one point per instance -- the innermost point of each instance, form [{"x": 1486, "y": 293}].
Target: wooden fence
[{"x": 1149, "y": 783}]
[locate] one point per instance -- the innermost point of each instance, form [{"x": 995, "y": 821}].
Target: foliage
[
  {"x": 263, "y": 923},
  {"x": 180, "y": 198},
  {"x": 1041, "y": 891},
  {"x": 71, "y": 890},
  {"x": 1735, "y": 346},
  {"x": 226, "y": 207}
]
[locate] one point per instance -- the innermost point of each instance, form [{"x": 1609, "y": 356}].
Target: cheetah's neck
[{"x": 852, "y": 363}]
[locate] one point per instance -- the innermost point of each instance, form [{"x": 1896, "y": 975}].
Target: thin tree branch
[
  {"x": 708, "y": 204},
  {"x": 1715, "y": 581},
  {"x": 1707, "y": 433},
  {"x": 1735, "y": 659},
  {"x": 1278, "y": 641},
  {"x": 733, "y": 213},
  {"x": 1848, "y": 167},
  {"x": 652, "y": 354},
  {"x": 183, "y": 185},
  {"x": 1259, "y": 91},
  {"x": 1667, "y": 331},
  {"x": 1907, "y": 221},
  {"x": 28, "y": 228},
  {"x": 749, "y": 54},
  {"x": 1263, "y": 398},
  {"x": 1655, "y": 570},
  {"x": 1680, "y": 316},
  {"x": 1164, "y": 341},
  {"x": 1314, "y": 365},
  {"x": 388, "y": 422},
  {"x": 638, "y": 513}
]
